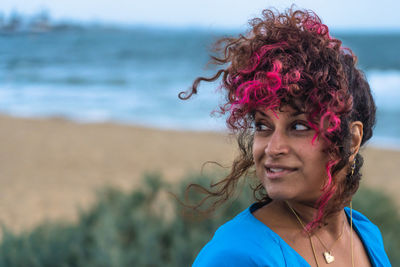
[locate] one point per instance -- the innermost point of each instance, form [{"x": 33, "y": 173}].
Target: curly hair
[{"x": 290, "y": 58}]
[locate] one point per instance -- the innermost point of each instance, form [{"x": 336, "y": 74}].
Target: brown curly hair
[{"x": 290, "y": 58}]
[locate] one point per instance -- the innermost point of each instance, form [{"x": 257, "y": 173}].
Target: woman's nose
[{"x": 277, "y": 145}]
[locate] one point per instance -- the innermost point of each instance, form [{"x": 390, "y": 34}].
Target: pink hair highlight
[
  {"x": 331, "y": 120},
  {"x": 329, "y": 190}
]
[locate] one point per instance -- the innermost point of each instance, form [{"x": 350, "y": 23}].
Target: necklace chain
[
  {"x": 351, "y": 233},
  {"x": 334, "y": 243},
  {"x": 311, "y": 242},
  {"x": 308, "y": 233}
]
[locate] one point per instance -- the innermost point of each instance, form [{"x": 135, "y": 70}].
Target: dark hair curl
[{"x": 290, "y": 58}]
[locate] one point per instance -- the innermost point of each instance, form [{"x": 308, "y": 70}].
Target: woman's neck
[{"x": 307, "y": 212}]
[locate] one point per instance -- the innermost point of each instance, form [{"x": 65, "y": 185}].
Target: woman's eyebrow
[
  {"x": 296, "y": 113},
  {"x": 261, "y": 112},
  {"x": 291, "y": 114}
]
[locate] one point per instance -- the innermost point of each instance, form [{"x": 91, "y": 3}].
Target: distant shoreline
[
  {"x": 378, "y": 142},
  {"x": 138, "y": 82}
]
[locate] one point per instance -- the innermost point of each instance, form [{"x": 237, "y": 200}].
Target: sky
[{"x": 337, "y": 14}]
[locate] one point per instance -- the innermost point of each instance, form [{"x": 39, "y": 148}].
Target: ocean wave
[
  {"x": 385, "y": 86},
  {"x": 32, "y": 78}
]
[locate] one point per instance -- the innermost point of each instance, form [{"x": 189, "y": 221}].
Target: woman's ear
[{"x": 356, "y": 128}]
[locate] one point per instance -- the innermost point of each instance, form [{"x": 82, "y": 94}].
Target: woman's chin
[
  {"x": 288, "y": 196},
  {"x": 279, "y": 195}
]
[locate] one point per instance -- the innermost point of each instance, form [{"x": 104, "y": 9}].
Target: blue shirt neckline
[{"x": 252, "y": 208}]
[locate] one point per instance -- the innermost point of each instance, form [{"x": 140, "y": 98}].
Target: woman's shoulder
[
  {"x": 242, "y": 241},
  {"x": 245, "y": 226},
  {"x": 371, "y": 237},
  {"x": 363, "y": 224}
]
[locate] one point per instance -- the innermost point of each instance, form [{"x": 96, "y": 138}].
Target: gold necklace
[
  {"x": 308, "y": 233},
  {"x": 351, "y": 232},
  {"x": 327, "y": 254}
]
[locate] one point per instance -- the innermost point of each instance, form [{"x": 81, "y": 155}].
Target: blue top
[{"x": 246, "y": 241}]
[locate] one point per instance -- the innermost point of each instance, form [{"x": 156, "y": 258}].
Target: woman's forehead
[{"x": 286, "y": 110}]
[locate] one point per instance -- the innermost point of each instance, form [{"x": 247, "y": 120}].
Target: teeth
[{"x": 275, "y": 170}]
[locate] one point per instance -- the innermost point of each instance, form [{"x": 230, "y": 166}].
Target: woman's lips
[{"x": 276, "y": 172}]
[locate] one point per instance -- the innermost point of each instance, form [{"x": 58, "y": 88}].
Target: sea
[{"x": 133, "y": 75}]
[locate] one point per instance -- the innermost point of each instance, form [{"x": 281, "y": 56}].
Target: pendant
[{"x": 328, "y": 257}]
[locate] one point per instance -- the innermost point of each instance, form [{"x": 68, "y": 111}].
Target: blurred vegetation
[
  {"x": 145, "y": 228},
  {"x": 382, "y": 211}
]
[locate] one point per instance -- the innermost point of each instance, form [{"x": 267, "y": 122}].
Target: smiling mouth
[{"x": 275, "y": 173}]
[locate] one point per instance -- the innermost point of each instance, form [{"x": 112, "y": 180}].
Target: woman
[{"x": 301, "y": 110}]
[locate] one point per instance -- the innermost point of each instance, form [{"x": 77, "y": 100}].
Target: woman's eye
[
  {"x": 300, "y": 127},
  {"x": 261, "y": 127}
]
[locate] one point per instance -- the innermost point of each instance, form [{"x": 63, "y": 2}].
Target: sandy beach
[{"x": 49, "y": 168}]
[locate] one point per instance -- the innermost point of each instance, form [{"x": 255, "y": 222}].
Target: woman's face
[{"x": 288, "y": 164}]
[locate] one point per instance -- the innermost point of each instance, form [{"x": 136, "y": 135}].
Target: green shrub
[
  {"x": 145, "y": 228},
  {"x": 382, "y": 211}
]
